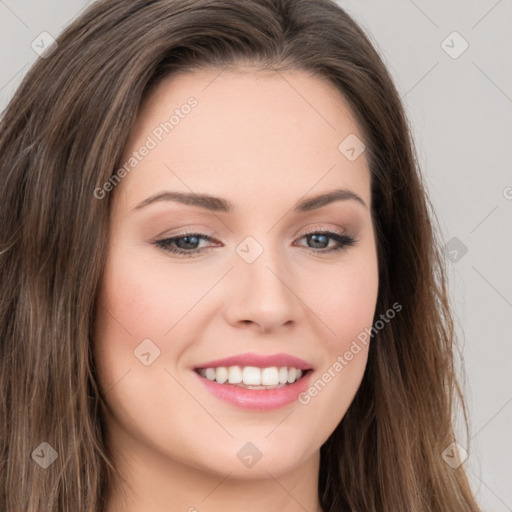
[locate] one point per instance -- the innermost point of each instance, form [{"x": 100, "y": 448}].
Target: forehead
[{"x": 256, "y": 132}]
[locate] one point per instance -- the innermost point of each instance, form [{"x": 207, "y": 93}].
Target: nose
[{"x": 263, "y": 295}]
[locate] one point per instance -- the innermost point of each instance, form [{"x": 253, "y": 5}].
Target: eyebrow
[{"x": 218, "y": 204}]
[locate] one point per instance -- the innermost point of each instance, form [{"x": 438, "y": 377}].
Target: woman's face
[{"x": 255, "y": 280}]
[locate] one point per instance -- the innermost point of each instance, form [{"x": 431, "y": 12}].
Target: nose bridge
[
  {"x": 261, "y": 265},
  {"x": 263, "y": 285}
]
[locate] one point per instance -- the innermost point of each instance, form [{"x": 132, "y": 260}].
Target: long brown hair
[{"x": 62, "y": 136}]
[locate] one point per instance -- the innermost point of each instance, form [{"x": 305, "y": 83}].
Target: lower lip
[{"x": 257, "y": 399}]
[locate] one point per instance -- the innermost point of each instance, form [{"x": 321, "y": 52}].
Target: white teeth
[
  {"x": 252, "y": 375},
  {"x": 270, "y": 376},
  {"x": 234, "y": 374},
  {"x": 283, "y": 375},
  {"x": 221, "y": 374}
]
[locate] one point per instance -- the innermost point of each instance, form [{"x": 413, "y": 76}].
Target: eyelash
[{"x": 344, "y": 241}]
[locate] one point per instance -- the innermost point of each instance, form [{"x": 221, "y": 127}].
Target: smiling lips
[
  {"x": 259, "y": 361},
  {"x": 256, "y": 381}
]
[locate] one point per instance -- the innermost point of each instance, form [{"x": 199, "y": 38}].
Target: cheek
[
  {"x": 347, "y": 307},
  {"x": 345, "y": 298},
  {"x": 133, "y": 307},
  {"x": 335, "y": 383},
  {"x": 142, "y": 299}
]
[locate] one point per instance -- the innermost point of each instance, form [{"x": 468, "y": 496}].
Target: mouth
[
  {"x": 253, "y": 377},
  {"x": 255, "y": 382},
  {"x": 255, "y": 388}
]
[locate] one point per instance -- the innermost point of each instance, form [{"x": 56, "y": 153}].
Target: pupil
[
  {"x": 316, "y": 237},
  {"x": 185, "y": 238}
]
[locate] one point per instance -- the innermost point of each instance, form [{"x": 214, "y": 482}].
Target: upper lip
[{"x": 259, "y": 361}]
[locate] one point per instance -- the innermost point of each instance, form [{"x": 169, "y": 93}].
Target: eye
[
  {"x": 184, "y": 244},
  {"x": 321, "y": 239},
  {"x": 187, "y": 244}
]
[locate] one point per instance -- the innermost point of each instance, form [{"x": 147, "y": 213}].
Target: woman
[{"x": 222, "y": 283}]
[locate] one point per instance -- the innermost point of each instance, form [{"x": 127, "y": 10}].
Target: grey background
[{"x": 460, "y": 113}]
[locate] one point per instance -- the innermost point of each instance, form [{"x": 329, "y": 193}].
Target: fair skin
[{"x": 263, "y": 145}]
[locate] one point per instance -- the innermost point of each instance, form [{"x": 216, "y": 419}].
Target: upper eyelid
[{"x": 203, "y": 230}]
